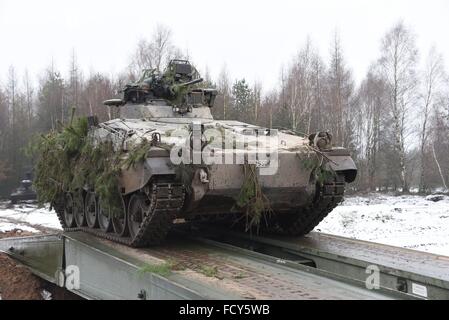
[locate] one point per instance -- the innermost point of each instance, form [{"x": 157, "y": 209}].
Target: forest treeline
[{"x": 395, "y": 122}]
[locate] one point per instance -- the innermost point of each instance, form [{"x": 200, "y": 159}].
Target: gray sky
[{"x": 253, "y": 38}]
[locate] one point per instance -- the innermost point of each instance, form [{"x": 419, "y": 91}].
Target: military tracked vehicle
[
  {"x": 24, "y": 192},
  {"x": 275, "y": 181}
]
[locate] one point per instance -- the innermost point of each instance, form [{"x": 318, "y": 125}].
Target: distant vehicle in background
[{"x": 25, "y": 191}]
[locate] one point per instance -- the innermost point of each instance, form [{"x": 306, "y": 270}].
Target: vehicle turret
[{"x": 176, "y": 85}]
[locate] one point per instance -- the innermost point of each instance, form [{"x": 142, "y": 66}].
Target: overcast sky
[{"x": 253, "y": 38}]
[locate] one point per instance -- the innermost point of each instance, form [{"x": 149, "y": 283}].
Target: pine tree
[{"x": 242, "y": 95}]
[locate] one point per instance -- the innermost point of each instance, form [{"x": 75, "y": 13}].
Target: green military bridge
[{"x": 227, "y": 265}]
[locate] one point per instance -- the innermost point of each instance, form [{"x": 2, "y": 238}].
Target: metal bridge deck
[
  {"x": 419, "y": 274},
  {"x": 412, "y": 261},
  {"x": 211, "y": 269}
]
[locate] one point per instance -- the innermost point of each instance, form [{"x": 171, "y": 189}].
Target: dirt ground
[
  {"x": 18, "y": 283},
  {"x": 15, "y": 233}
]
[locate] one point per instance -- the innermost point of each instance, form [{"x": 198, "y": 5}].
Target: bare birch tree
[
  {"x": 224, "y": 93},
  {"x": 29, "y": 94},
  {"x": 156, "y": 52},
  {"x": 432, "y": 76},
  {"x": 372, "y": 104},
  {"x": 74, "y": 83},
  {"x": 440, "y": 132},
  {"x": 398, "y": 67},
  {"x": 300, "y": 87},
  {"x": 257, "y": 100},
  {"x": 340, "y": 90}
]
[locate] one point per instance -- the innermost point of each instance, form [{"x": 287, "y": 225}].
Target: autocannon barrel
[{"x": 195, "y": 81}]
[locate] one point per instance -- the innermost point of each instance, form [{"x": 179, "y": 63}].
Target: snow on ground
[
  {"x": 407, "y": 221},
  {"x": 28, "y": 213},
  {"x": 7, "y": 226}
]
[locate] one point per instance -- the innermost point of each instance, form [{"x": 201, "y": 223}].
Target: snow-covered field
[
  {"x": 405, "y": 221},
  {"x": 26, "y": 215}
]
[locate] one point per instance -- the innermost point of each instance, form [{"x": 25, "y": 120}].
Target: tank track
[
  {"x": 166, "y": 198},
  {"x": 297, "y": 222},
  {"x": 302, "y": 221}
]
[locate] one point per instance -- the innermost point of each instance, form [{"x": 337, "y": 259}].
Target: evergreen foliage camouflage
[
  {"x": 68, "y": 161},
  {"x": 252, "y": 199},
  {"x": 56, "y": 152}
]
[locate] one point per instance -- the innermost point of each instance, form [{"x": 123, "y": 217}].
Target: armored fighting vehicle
[
  {"x": 24, "y": 192},
  {"x": 277, "y": 181}
]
